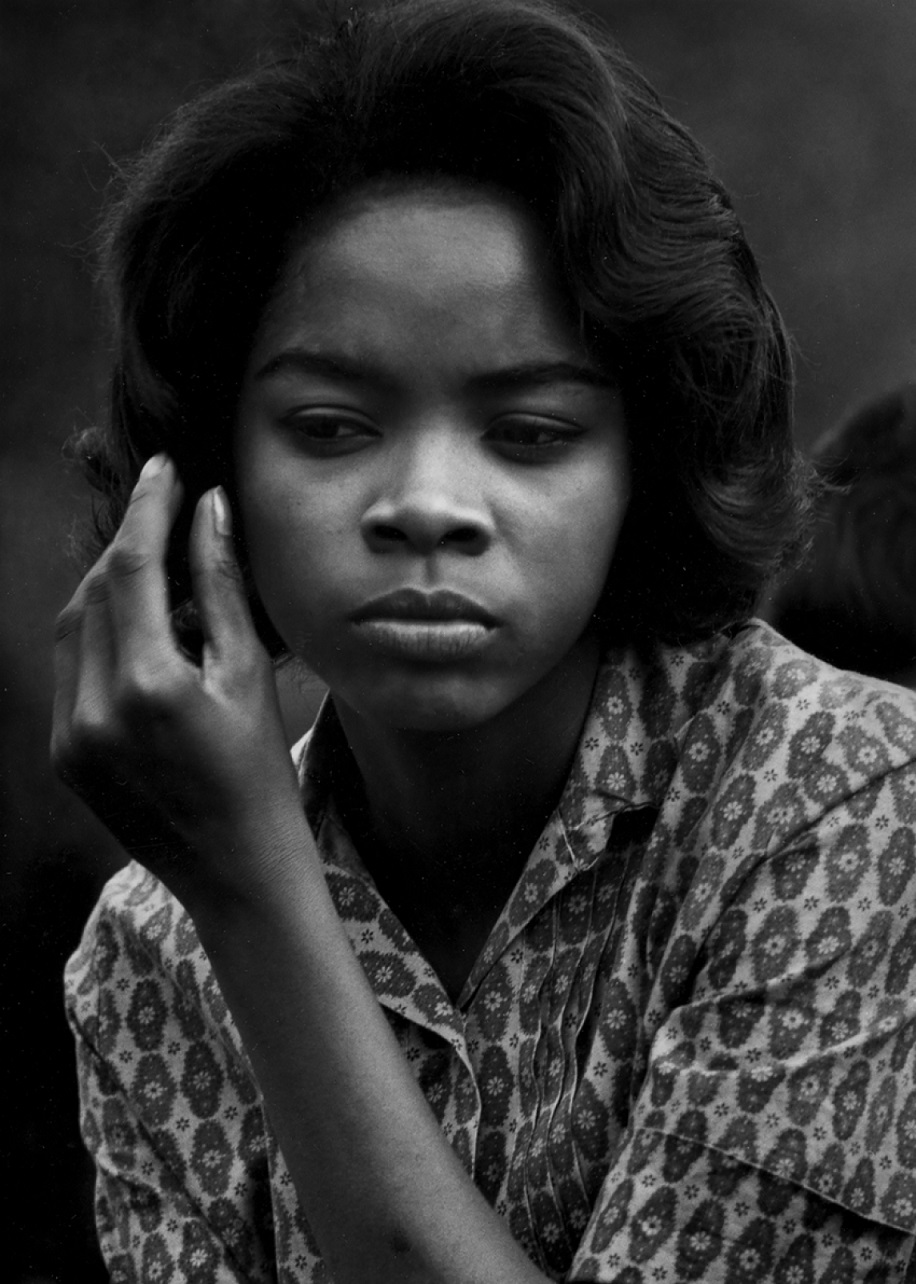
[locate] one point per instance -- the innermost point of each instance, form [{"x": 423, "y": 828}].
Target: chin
[{"x": 439, "y": 707}]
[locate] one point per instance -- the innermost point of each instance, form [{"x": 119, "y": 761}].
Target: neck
[{"x": 445, "y": 821}]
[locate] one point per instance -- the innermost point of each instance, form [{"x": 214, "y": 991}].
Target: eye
[
  {"x": 532, "y": 440},
  {"x": 327, "y": 430}
]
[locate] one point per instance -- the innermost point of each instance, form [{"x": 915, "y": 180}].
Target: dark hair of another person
[
  {"x": 853, "y": 601},
  {"x": 516, "y": 96}
]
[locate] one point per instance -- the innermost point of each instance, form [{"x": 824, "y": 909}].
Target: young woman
[{"x": 576, "y": 942}]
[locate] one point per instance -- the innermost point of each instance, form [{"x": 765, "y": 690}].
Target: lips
[
  {"x": 438, "y": 627},
  {"x": 439, "y": 605}
]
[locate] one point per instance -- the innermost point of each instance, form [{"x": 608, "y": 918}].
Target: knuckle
[
  {"x": 251, "y": 669},
  {"x": 149, "y": 694},
  {"x": 92, "y": 730},
  {"x": 141, "y": 696},
  {"x": 82, "y": 744},
  {"x": 227, "y": 569},
  {"x": 96, "y": 591},
  {"x": 68, "y": 622},
  {"x": 126, "y": 561}
]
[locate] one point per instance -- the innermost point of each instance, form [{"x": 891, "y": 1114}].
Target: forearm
[
  {"x": 383, "y": 1191},
  {"x": 187, "y": 764}
]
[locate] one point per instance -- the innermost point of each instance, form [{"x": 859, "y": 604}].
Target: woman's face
[{"x": 431, "y": 470}]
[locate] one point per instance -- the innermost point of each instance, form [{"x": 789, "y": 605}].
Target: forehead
[
  {"x": 447, "y": 261},
  {"x": 486, "y": 238}
]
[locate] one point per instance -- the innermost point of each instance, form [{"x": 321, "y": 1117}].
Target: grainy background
[{"x": 808, "y": 108}]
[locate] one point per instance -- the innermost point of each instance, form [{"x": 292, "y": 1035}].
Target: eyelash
[
  {"x": 560, "y": 435},
  {"x": 305, "y": 424}
]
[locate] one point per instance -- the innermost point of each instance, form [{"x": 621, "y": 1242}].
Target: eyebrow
[
  {"x": 539, "y": 373},
  {"x": 528, "y": 374},
  {"x": 302, "y": 361}
]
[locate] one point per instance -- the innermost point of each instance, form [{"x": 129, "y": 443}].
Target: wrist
[{"x": 254, "y": 868}]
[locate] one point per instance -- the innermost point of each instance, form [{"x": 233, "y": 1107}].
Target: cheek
[
  {"x": 286, "y": 559},
  {"x": 289, "y": 544},
  {"x": 574, "y": 555},
  {"x": 278, "y": 544},
  {"x": 589, "y": 520},
  {"x": 285, "y": 511},
  {"x": 601, "y": 511}
]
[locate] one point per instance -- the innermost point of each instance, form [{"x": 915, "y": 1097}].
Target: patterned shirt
[{"x": 686, "y": 1052}]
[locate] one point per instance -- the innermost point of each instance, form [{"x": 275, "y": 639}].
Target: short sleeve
[
  {"x": 175, "y": 1132},
  {"x": 774, "y": 1135},
  {"x": 148, "y": 1224}
]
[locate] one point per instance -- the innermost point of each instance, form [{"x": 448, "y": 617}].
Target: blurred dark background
[{"x": 808, "y": 108}]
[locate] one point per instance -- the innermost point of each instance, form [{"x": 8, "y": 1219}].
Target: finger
[
  {"x": 66, "y": 677},
  {"x": 219, "y": 589},
  {"x": 134, "y": 567},
  {"x": 97, "y": 658},
  {"x": 84, "y": 664}
]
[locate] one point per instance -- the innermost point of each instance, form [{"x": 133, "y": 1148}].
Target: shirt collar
[{"x": 624, "y": 761}]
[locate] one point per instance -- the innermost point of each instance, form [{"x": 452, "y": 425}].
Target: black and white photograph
[{"x": 458, "y": 574}]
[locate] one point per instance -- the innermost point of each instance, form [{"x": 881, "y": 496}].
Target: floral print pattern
[{"x": 687, "y": 1051}]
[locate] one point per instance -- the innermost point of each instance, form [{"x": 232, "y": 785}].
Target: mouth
[
  {"x": 436, "y": 627},
  {"x": 441, "y": 606}
]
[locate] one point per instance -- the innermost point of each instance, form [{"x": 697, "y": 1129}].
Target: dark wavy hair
[
  {"x": 853, "y": 600},
  {"x": 518, "y": 95}
]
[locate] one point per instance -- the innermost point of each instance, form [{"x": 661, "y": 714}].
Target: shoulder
[
  {"x": 774, "y": 755},
  {"x": 765, "y": 668},
  {"x": 756, "y": 671},
  {"x": 771, "y": 722}
]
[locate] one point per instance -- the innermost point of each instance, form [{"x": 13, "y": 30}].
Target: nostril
[
  {"x": 391, "y": 533},
  {"x": 461, "y": 535},
  {"x": 424, "y": 531}
]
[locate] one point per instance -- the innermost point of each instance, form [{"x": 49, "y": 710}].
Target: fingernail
[
  {"x": 222, "y": 518},
  {"x": 154, "y": 465}
]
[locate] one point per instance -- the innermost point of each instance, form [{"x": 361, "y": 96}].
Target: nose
[{"x": 430, "y": 498}]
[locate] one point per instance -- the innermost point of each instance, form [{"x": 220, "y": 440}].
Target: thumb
[{"x": 216, "y": 578}]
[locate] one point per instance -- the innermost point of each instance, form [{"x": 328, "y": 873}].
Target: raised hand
[{"x": 185, "y": 763}]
